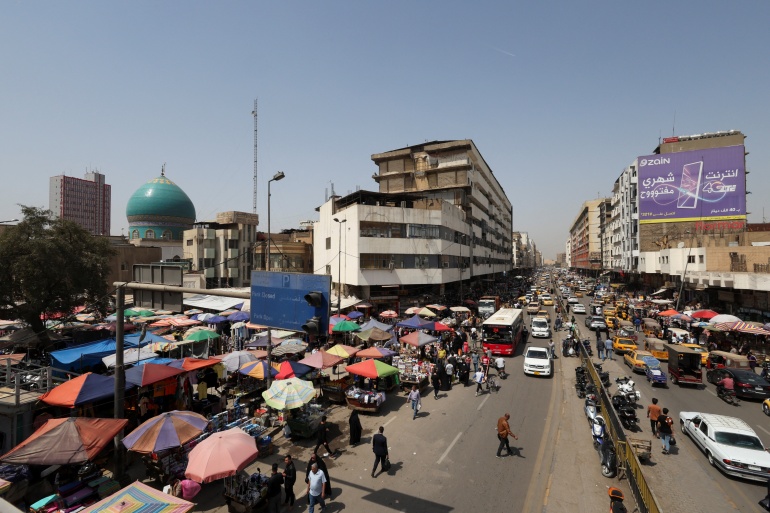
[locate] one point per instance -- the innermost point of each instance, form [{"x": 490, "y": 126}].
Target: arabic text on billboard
[{"x": 708, "y": 184}]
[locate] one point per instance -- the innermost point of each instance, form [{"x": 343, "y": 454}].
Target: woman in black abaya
[{"x": 355, "y": 428}]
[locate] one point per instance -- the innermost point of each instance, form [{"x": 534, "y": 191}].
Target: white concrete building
[{"x": 624, "y": 224}]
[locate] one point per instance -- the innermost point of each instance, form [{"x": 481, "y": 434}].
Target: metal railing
[{"x": 26, "y": 383}]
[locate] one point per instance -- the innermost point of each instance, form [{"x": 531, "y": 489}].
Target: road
[{"x": 684, "y": 481}]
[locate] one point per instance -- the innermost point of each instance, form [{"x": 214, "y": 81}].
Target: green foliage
[{"x": 50, "y": 265}]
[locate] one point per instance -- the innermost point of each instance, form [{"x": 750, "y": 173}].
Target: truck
[{"x": 488, "y": 305}]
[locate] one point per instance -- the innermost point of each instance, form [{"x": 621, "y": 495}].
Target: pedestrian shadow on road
[
  {"x": 516, "y": 451},
  {"x": 395, "y": 466},
  {"x": 422, "y": 413}
]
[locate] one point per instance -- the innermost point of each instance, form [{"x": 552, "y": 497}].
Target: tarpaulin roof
[
  {"x": 191, "y": 364},
  {"x": 150, "y": 373},
  {"x": 65, "y": 441},
  {"x": 75, "y": 358},
  {"x": 131, "y": 356},
  {"x": 218, "y": 303},
  {"x": 85, "y": 388}
]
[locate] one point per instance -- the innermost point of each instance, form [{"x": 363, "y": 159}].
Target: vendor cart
[
  {"x": 334, "y": 391},
  {"x": 364, "y": 401},
  {"x": 244, "y": 493},
  {"x": 642, "y": 448},
  {"x": 407, "y": 382},
  {"x": 304, "y": 427}
]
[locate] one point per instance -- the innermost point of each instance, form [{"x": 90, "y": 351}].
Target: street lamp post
[
  {"x": 278, "y": 176},
  {"x": 339, "y": 265}
]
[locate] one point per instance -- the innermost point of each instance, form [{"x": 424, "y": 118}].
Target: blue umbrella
[
  {"x": 239, "y": 316},
  {"x": 355, "y": 315},
  {"x": 216, "y": 319}
]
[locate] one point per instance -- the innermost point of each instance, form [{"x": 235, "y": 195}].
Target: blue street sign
[{"x": 278, "y": 299}]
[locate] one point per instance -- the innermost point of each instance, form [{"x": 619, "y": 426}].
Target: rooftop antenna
[
  {"x": 163, "y": 169},
  {"x": 254, "y": 113},
  {"x": 673, "y": 126}
]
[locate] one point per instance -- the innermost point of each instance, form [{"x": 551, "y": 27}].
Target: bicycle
[{"x": 492, "y": 384}]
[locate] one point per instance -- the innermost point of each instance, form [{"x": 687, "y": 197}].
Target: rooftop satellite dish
[{"x": 680, "y": 245}]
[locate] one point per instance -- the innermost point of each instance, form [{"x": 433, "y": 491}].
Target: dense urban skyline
[{"x": 558, "y": 98}]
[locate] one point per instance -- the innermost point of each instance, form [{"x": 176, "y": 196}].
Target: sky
[{"x": 559, "y": 97}]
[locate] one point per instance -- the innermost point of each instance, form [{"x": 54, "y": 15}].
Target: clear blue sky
[{"x": 558, "y": 96}]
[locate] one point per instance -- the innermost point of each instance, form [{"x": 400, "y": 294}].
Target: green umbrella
[
  {"x": 346, "y": 326},
  {"x": 145, "y": 313},
  {"x": 130, "y": 313},
  {"x": 289, "y": 393},
  {"x": 200, "y": 335}
]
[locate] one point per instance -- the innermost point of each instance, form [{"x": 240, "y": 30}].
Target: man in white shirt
[{"x": 316, "y": 481}]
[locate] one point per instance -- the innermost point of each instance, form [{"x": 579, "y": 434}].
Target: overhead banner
[{"x": 698, "y": 185}]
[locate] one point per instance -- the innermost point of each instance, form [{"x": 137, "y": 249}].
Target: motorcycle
[
  {"x": 591, "y": 408},
  {"x": 727, "y": 396},
  {"x": 609, "y": 459},
  {"x": 598, "y": 431},
  {"x": 626, "y": 388},
  {"x": 626, "y": 411},
  {"x": 501, "y": 371},
  {"x": 616, "y": 501},
  {"x": 587, "y": 347},
  {"x": 603, "y": 376}
]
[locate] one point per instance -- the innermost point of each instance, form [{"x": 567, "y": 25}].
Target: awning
[
  {"x": 660, "y": 291},
  {"x": 218, "y": 303}
]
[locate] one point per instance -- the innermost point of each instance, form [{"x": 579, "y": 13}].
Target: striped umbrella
[
  {"x": 165, "y": 431},
  {"x": 140, "y": 498},
  {"x": 289, "y": 393},
  {"x": 258, "y": 369},
  {"x": 742, "y": 327}
]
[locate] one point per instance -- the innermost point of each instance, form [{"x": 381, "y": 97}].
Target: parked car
[
  {"x": 578, "y": 309},
  {"x": 596, "y": 322},
  {"x": 748, "y": 385},
  {"x": 537, "y": 361},
  {"x": 729, "y": 444}
]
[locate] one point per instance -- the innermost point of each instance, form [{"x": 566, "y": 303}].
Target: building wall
[
  {"x": 126, "y": 256},
  {"x": 86, "y": 202},
  {"x": 585, "y": 237}
]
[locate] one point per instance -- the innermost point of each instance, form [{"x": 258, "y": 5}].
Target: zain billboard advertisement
[{"x": 708, "y": 184}]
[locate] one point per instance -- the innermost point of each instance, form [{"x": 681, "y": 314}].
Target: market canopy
[
  {"x": 144, "y": 375},
  {"x": 79, "y": 357},
  {"x": 321, "y": 360},
  {"x": 201, "y": 335},
  {"x": 418, "y": 339},
  {"x": 388, "y": 314},
  {"x": 165, "y": 431},
  {"x": 140, "y": 498},
  {"x": 257, "y": 369},
  {"x": 416, "y": 323},
  {"x": 374, "y": 323},
  {"x": 426, "y": 312},
  {"x": 288, "y": 369},
  {"x": 222, "y": 454},
  {"x": 191, "y": 364},
  {"x": 236, "y": 359},
  {"x": 131, "y": 356},
  {"x": 65, "y": 441},
  {"x": 723, "y": 318},
  {"x": 342, "y": 350},
  {"x": 372, "y": 369},
  {"x": 703, "y": 314},
  {"x": 742, "y": 327},
  {"x": 345, "y": 326},
  {"x": 668, "y": 313},
  {"x": 376, "y": 352},
  {"x": 86, "y": 388},
  {"x": 374, "y": 334}
]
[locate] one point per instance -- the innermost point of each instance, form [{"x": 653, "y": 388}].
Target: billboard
[
  {"x": 278, "y": 299},
  {"x": 698, "y": 185}
]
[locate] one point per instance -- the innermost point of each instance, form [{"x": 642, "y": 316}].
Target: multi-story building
[
  {"x": 624, "y": 225},
  {"x": 524, "y": 250},
  {"x": 440, "y": 222},
  {"x": 290, "y": 251},
  {"x": 223, "y": 250},
  {"x": 85, "y": 201},
  {"x": 605, "y": 233},
  {"x": 585, "y": 236}
]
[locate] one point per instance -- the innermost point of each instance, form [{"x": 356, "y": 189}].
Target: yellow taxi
[
  {"x": 609, "y": 311},
  {"x": 634, "y": 359},
  {"x": 545, "y": 314},
  {"x": 533, "y": 307},
  {"x": 622, "y": 345},
  {"x": 611, "y": 322},
  {"x": 578, "y": 293},
  {"x": 523, "y": 300},
  {"x": 547, "y": 301},
  {"x": 704, "y": 354}
]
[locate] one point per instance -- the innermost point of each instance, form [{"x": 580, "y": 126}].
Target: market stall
[
  {"x": 295, "y": 394},
  {"x": 244, "y": 492},
  {"x": 369, "y": 397},
  {"x": 413, "y": 372}
]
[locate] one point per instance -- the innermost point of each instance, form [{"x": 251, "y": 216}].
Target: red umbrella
[
  {"x": 65, "y": 441},
  {"x": 703, "y": 314},
  {"x": 321, "y": 360},
  {"x": 667, "y": 313},
  {"x": 150, "y": 373},
  {"x": 388, "y": 314},
  {"x": 440, "y": 326},
  {"x": 221, "y": 455}
]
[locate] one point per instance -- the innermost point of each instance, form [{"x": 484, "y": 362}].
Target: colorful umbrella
[
  {"x": 204, "y": 316},
  {"x": 372, "y": 369},
  {"x": 321, "y": 360},
  {"x": 221, "y": 455},
  {"x": 86, "y": 388},
  {"x": 237, "y": 359},
  {"x": 374, "y": 334},
  {"x": 289, "y": 394},
  {"x": 440, "y": 326},
  {"x": 344, "y": 326},
  {"x": 165, "y": 431},
  {"x": 130, "y": 313},
  {"x": 459, "y": 309},
  {"x": 742, "y": 327},
  {"x": 376, "y": 352},
  {"x": 388, "y": 314},
  {"x": 418, "y": 339},
  {"x": 201, "y": 335},
  {"x": 65, "y": 441},
  {"x": 703, "y": 314},
  {"x": 668, "y": 313},
  {"x": 426, "y": 312},
  {"x": 682, "y": 317},
  {"x": 217, "y": 319},
  {"x": 288, "y": 369},
  {"x": 145, "y": 313},
  {"x": 343, "y": 350},
  {"x": 258, "y": 369},
  {"x": 416, "y": 323},
  {"x": 374, "y": 323},
  {"x": 149, "y": 373},
  {"x": 355, "y": 315},
  {"x": 191, "y": 364},
  {"x": 437, "y": 308},
  {"x": 288, "y": 349},
  {"x": 364, "y": 306},
  {"x": 140, "y": 498}
]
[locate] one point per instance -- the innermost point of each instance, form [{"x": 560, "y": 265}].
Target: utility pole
[{"x": 254, "y": 113}]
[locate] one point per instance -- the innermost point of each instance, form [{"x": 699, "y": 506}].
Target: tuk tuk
[
  {"x": 721, "y": 359},
  {"x": 596, "y": 308},
  {"x": 657, "y": 348},
  {"x": 650, "y": 327},
  {"x": 684, "y": 365},
  {"x": 680, "y": 336}
]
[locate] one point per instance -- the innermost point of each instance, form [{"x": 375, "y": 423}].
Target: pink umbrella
[
  {"x": 189, "y": 489},
  {"x": 221, "y": 455},
  {"x": 388, "y": 314}
]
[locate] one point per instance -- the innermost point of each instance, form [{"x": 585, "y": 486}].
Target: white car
[
  {"x": 729, "y": 443},
  {"x": 539, "y": 328},
  {"x": 573, "y": 300},
  {"x": 578, "y": 308},
  {"x": 537, "y": 361}
]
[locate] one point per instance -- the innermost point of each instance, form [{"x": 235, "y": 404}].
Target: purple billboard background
[{"x": 698, "y": 184}]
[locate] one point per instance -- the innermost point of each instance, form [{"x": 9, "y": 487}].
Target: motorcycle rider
[
  {"x": 500, "y": 366},
  {"x": 726, "y": 383}
]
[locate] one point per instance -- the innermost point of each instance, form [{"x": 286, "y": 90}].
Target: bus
[{"x": 501, "y": 332}]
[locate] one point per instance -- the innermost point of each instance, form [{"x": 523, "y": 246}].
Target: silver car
[{"x": 596, "y": 322}]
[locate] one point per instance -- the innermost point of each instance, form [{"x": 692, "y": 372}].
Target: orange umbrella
[
  {"x": 221, "y": 455},
  {"x": 667, "y": 313}
]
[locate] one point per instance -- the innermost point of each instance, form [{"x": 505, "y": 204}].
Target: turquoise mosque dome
[{"x": 159, "y": 209}]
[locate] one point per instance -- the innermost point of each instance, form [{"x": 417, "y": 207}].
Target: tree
[{"x": 49, "y": 266}]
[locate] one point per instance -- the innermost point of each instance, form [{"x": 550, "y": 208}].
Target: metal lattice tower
[{"x": 254, "y": 113}]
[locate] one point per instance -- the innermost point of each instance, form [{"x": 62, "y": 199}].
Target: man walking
[
  {"x": 600, "y": 345},
  {"x": 653, "y": 412},
  {"x": 414, "y": 397},
  {"x": 503, "y": 432},
  {"x": 664, "y": 430},
  {"x": 380, "y": 449},
  {"x": 289, "y": 478},
  {"x": 478, "y": 377},
  {"x": 323, "y": 438},
  {"x": 608, "y": 348},
  {"x": 475, "y": 361},
  {"x": 316, "y": 485},
  {"x": 274, "y": 490}
]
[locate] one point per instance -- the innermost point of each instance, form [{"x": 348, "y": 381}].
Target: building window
[
  {"x": 700, "y": 259},
  {"x": 189, "y": 242},
  {"x": 123, "y": 266},
  {"x": 135, "y": 234},
  {"x": 328, "y": 243},
  {"x": 690, "y": 259},
  {"x": 149, "y": 234},
  {"x": 166, "y": 235}
]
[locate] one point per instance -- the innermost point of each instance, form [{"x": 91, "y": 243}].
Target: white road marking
[
  {"x": 388, "y": 422},
  {"x": 763, "y": 429},
  {"x": 482, "y": 402},
  {"x": 711, "y": 392},
  {"x": 449, "y": 448}
]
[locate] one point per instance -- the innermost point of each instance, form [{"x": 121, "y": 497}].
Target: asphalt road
[{"x": 684, "y": 481}]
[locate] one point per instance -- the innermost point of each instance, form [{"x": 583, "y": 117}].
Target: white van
[
  {"x": 537, "y": 361},
  {"x": 539, "y": 328}
]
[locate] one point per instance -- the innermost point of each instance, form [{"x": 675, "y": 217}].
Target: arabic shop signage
[{"x": 699, "y": 185}]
